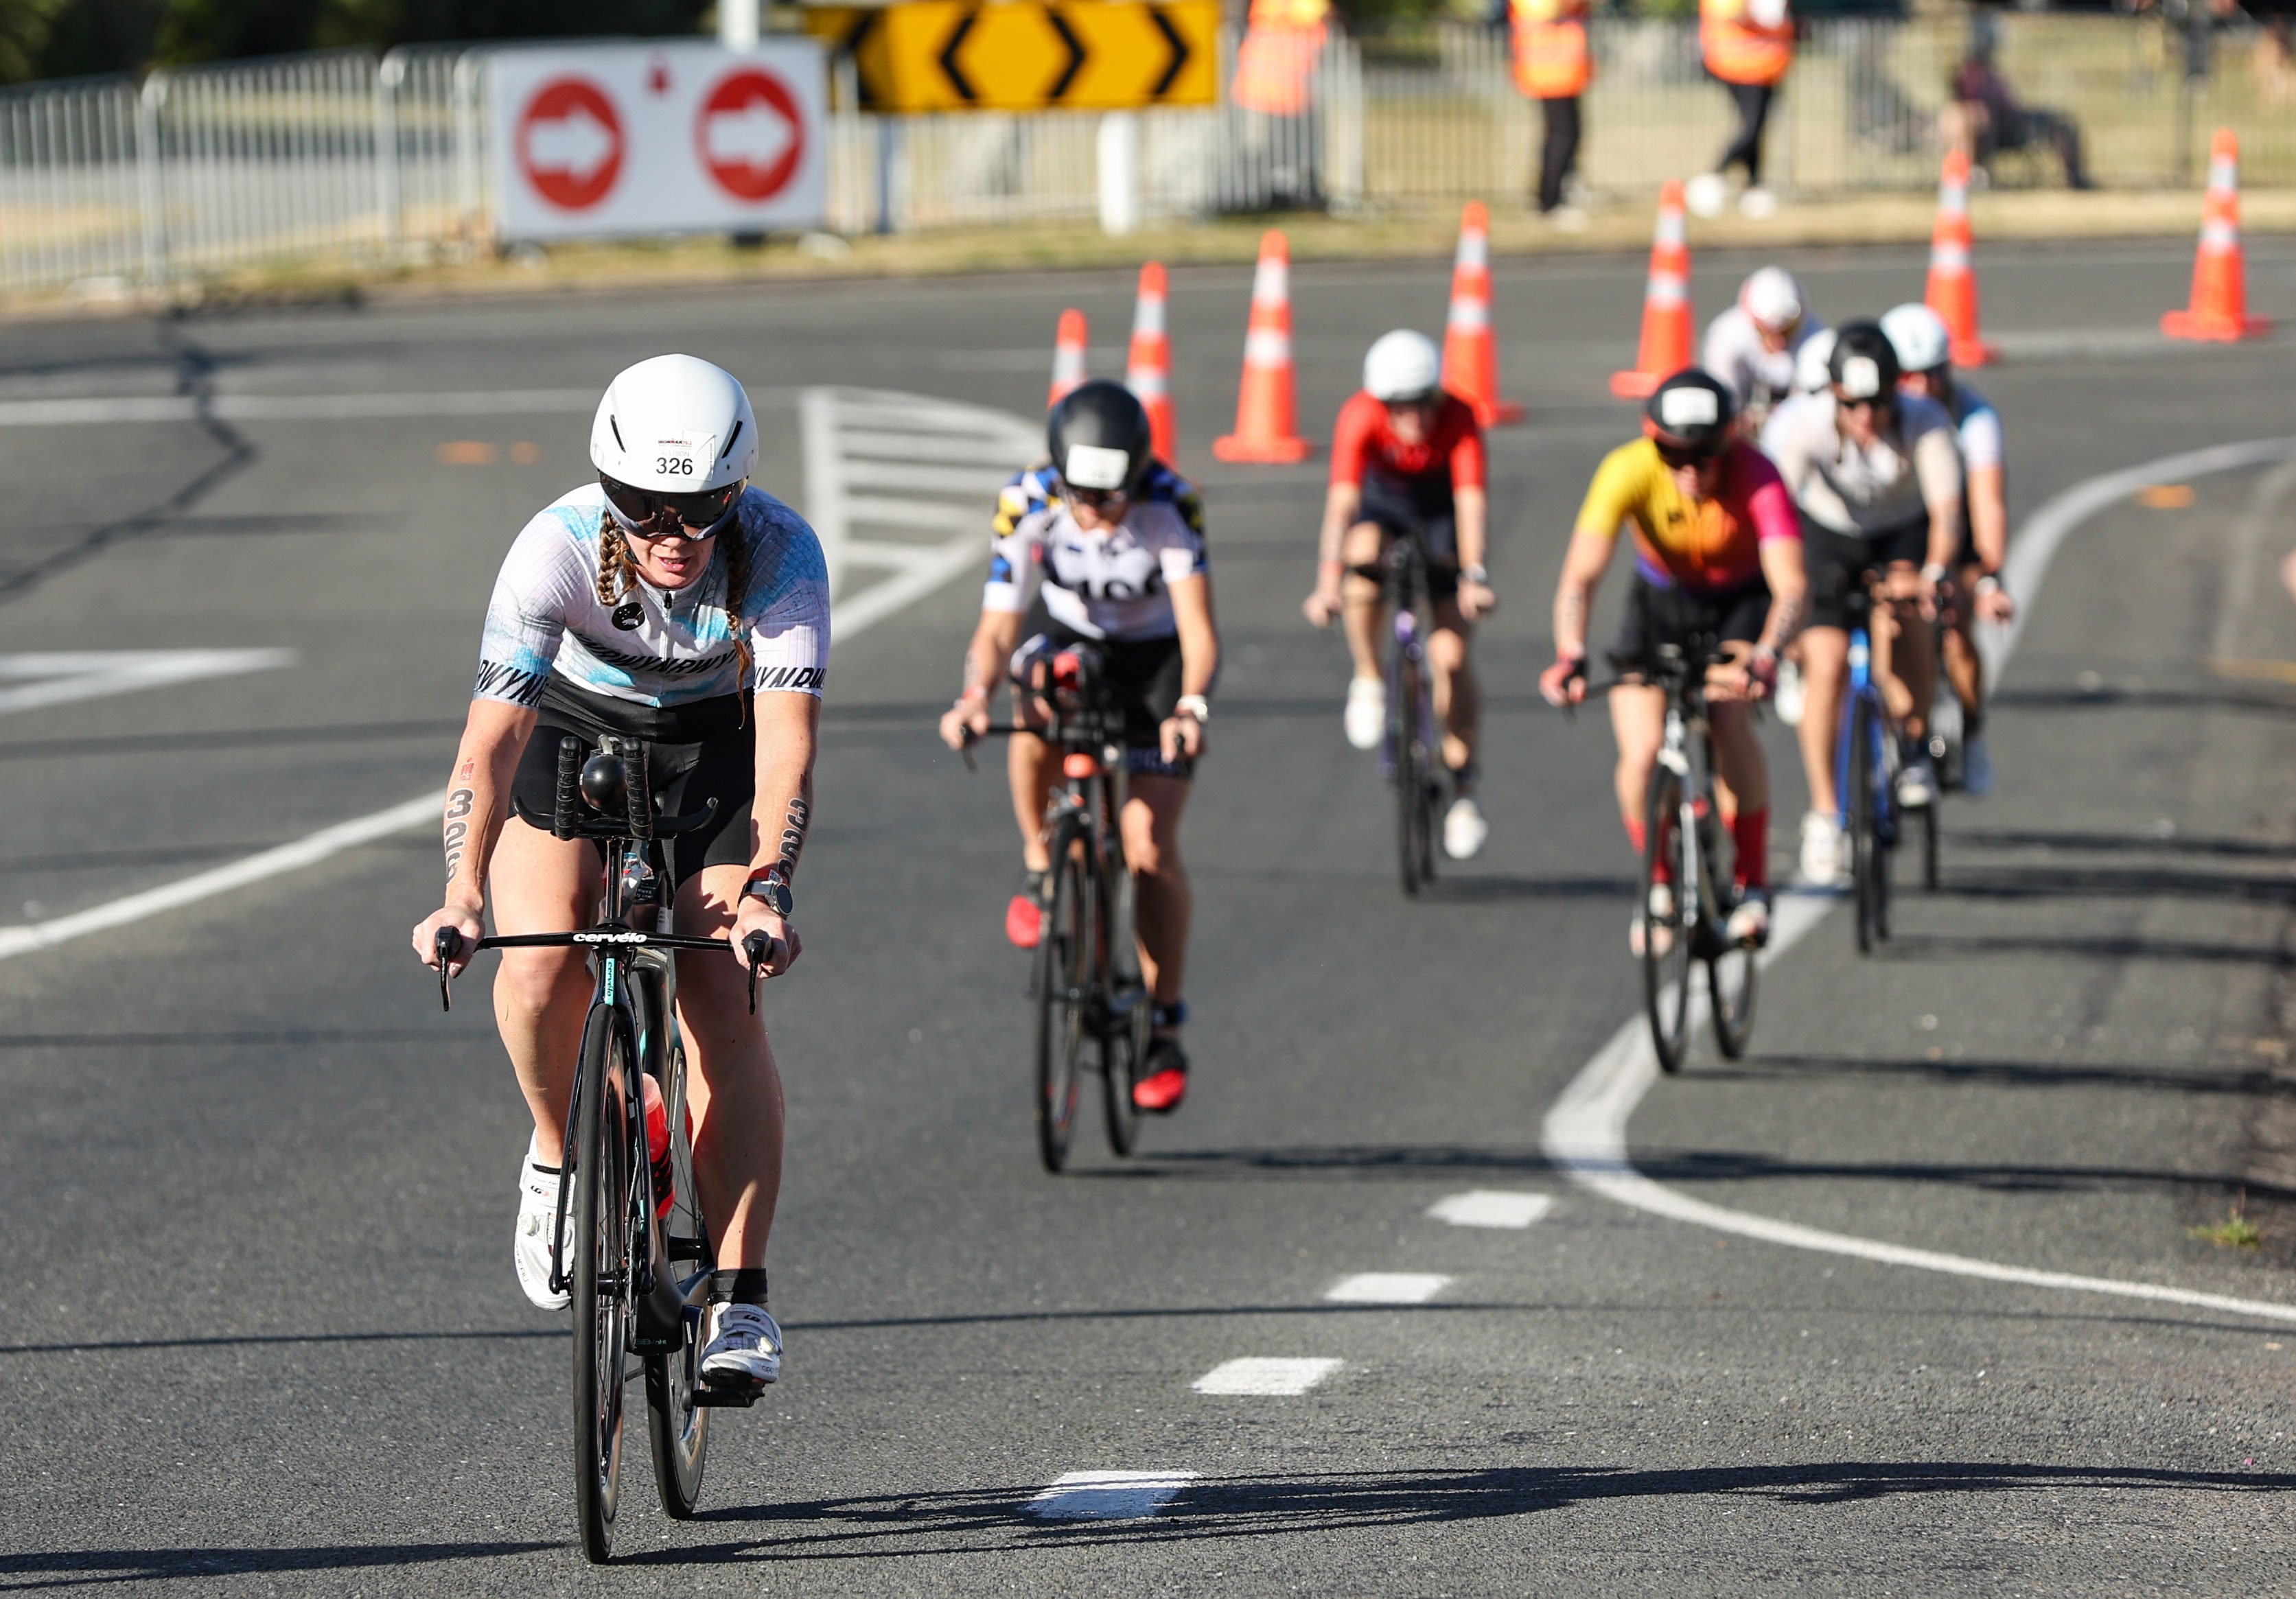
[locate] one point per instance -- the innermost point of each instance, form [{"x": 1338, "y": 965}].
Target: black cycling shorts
[
  {"x": 1422, "y": 505},
  {"x": 1144, "y": 676},
  {"x": 1656, "y": 616},
  {"x": 699, "y": 752},
  {"x": 1840, "y": 563}
]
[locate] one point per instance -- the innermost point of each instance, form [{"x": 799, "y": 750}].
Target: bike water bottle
[{"x": 657, "y": 1124}]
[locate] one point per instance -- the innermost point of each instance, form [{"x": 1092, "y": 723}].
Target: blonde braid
[
  {"x": 737, "y": 591},
  {"x": 617, "y": 573}
]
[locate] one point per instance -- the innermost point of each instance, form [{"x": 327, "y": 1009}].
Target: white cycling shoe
[
  {"x": 745, "y": 1346},
  {"x": 1786, "y": 698},
  {"x": 537, "y": 1218},
  {"x": 1824, "y": 851},
  {"x": 1465, "y": 831},
  {"x": 1661, "y": 914},
  {"x": 1917, "y": 783},
  {"x": 1366, "y": 714}
]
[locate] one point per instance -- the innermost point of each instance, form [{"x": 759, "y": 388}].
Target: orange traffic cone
[
  {"x": 1952, "y": 288},
  {"x": 1666, "y": 341},
  {"x": 1148, "y": 368},
  {"x": 2220, "y": 308},
  {"x": 1265, "y": 415},
  {"x": 1471, "y": 351},
  {"x": 1068, "y": 356}
]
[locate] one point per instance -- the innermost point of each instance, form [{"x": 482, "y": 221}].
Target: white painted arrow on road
[{"x": 56, "y": 677}]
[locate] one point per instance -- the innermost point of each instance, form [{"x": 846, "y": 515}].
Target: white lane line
[
  {"x": 1108, "y": 1495},
  {"x": 1491, "y": 1207},
  {"x": 1386, "y": 1288},
  {"x": 57, "y": 677},
  {"x": 1260, "y": 1376},
  {"x": 316, "y": 407},
  {"x": 1584, "y": 1132},
  {"x": 935, "y": 566}
]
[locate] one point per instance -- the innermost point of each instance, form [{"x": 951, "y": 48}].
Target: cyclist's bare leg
[
  {"x": 1152, "y": 850},
  {"x": 1963, "y": 668},
  {"x": 1742, "y": 777},
  {"x": 1903, "y": 664},
  {"x": 539, "y": 883},
  {"x": 1031, "y": 768},
  {"x": 1363, "y": 602},
  {"x": 1458, "y": 698},
  {"x": 1824, "y": 676},
  {"x": 1638, "y": 722},
  {"x": 735, "y": 1087}
]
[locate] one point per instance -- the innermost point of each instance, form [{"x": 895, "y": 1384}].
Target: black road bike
[
  {"x": 1411, "y": 753},
  {"x": 1087, "y": 983},
  {"x": 1686, "y": 852},
  {"x": 630, "y": 1243}
]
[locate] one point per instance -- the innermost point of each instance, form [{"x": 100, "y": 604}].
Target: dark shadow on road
[
  {"x": 2009, "y": 1074},
  {"x": 998, "y": 1520},
  {"x": 1914, "y": 947},
  {"x": 1711, "y": 1166},
  {"x": 84, "y": 1568},
  {"x": 2115, "y": 883},
  {"x": 2135, "y": 843},
  {"x": 1350, "y": 1159},
  {"x": 262, "y": 1339}
]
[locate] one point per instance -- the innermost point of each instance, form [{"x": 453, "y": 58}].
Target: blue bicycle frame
[{"x": 1863, "y": 689}]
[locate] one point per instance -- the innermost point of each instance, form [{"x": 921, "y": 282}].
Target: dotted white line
[
  {"x": 1492, "y": 1207},
  {"x": 1108, "y": 1495},
  {"x": 1266, "y": 1376},
  {"x": 1387, "y": 1288}
]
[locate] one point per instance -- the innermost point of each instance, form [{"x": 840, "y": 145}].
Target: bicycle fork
[{"x": 1674, "y": 755}]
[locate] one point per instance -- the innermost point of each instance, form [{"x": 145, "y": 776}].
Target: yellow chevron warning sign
[{"x": 1025, "y": 55}]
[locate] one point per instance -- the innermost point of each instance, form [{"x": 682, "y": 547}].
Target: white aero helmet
[
  {"x": 1772, "y": 299},
  {"x": 1812, "y": 370},
  {"x": 675, "y": 425},
  {"x": 1918, "y": 335},
  {"x": 1402, "y": 366}
]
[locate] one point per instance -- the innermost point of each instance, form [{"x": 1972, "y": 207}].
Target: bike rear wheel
[
  {"x": 1666, "y": 939},
  {"x": 1125, "y": 1019},
  {"x": 600, "y": 1244},
  {"x": 1407, "y": 734},
  {"x": 1929, "y": 847},
  {"x": 1064, "y": 975},
  {"x": 676, "y": 1428},
  {"x": 1733, "y": 969}
]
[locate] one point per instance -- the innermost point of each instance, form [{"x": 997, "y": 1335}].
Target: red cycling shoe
[
  {"x": 1024, "y": 917},
  {"x": 1165, "y": 1084}
]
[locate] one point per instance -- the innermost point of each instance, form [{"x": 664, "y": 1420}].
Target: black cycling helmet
[
  {"x": 1099, "y": 438},
  {"x": 1688, "y": 416},
  {"x": 1864, "y": 365}
]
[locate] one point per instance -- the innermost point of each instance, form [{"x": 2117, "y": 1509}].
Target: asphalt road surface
[{"x": 262, "y": 1332}]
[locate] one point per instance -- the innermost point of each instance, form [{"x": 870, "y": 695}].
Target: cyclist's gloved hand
[
  {"x": 1565, "y": 682},
  {"x": 465, "y": 922}
]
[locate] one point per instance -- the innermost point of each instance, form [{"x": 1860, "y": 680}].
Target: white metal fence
[{"x": 341, "y": 154}]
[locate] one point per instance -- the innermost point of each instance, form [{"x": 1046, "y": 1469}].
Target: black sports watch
[{"x": 773, "y": 892}]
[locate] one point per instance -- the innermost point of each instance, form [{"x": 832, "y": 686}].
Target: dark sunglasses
[
  {"x": 1098, "y": 499},
  {"x": 672, "y": 515},
  {"x": 1680, "y": 455}
]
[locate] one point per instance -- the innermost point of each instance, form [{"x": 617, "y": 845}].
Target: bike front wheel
[
  {"x": 1669, "y": 915},
  {"x": 1868, "y": 867},
  {"x": 600, "y": 1244},
  {"x": 676, "y": 1428},
  {"x": 1064, "y": 975},
  {"x": 1409, "y": 735}
]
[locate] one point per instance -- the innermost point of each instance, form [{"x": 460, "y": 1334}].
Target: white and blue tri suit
[
  {"x": 662, "y": 665},
  {"x": 1110, "y": 586},
  {"x": 1977, "y": 425}
]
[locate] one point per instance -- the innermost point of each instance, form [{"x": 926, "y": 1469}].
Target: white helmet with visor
[{"x": 674, "y": 442}]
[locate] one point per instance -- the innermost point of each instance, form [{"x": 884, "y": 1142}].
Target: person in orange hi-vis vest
[
  {"x": 1553, "y": 66},
  {"x": 1276, "y": 63},
  {"x": 1748, "y": 45}
]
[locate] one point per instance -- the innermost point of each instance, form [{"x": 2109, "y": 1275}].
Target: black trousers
[
  {"x": 1560, "y": 153},
  {"x": 1753, "y": 103}
]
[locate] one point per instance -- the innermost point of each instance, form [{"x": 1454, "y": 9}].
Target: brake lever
[
  {"x": 758, "y": 945},
  {"x": 445, "y": 947}
]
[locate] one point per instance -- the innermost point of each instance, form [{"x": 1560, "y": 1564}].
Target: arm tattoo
[
  {"x": 458, "y": 828},
  {"x": 1785, "y": 621},
  {"x": 793, "y": 826},
  {"x": 1570, "y": 614}
]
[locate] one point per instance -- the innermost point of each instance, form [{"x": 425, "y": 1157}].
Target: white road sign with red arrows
[{"x": 591, "y": 140}]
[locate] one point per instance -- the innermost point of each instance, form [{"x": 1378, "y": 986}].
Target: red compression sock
[
  {"x": 1751, "y": 832},
  {"x": 1638, "y": 835}
]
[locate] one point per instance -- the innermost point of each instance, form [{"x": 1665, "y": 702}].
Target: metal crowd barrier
[{"x": 341, "y": 154}]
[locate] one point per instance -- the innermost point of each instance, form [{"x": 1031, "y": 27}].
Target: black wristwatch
[{"x": 773, "y": 892}]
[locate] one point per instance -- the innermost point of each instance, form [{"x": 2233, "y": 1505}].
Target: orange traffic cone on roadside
[
  {"x": 1952, "y": 288},
  {"x": 1665, "y": 342},
  {"x": 2220, "y": 308},
  {"x": 1265, "y": 415},
  {"x": 1068, "y": 356},
  {"x": 1148, "y": 367},
  {"x": 1471, "y": 351}
]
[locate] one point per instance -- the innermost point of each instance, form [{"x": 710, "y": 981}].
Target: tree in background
[{"x": 67, "y": 39}]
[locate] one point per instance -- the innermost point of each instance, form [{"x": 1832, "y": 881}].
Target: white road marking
[
  {"x": 1585, "y": 1130},
  {"x": 1108, "y": 1495},
  {"x": 1386, "y": 1288},
  {"x": 110, "y": 410},
  {"x": 915, "y": 576},
  {"x": 1266, "y": 1376},
  {"x": 1492, "y": 1207},
  {"x": 56, "y": 677}
]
